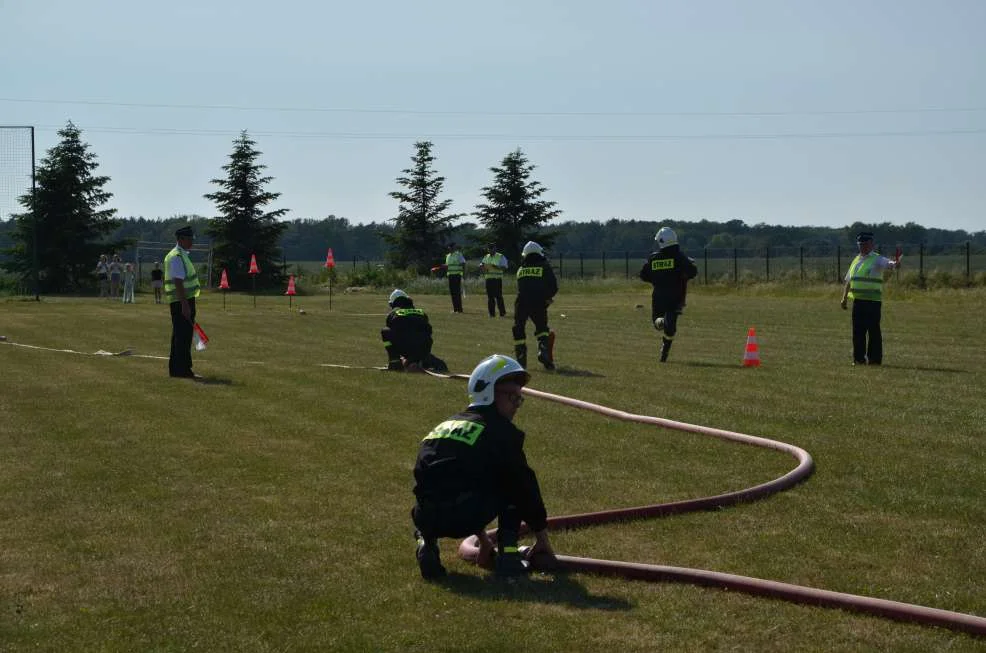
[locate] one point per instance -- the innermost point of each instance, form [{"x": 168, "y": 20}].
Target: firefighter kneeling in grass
[
  {"x": 536, "y": 288},
  {"x": 471, "y": 469},
  {"x": 407, "y": 337},
  {"x": 668, "y": 270}
]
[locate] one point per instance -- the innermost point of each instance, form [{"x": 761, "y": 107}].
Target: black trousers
[
  {"x": 180, "y": 360},
  {"x": 669, "y": 310},
  {"x": 465, "y": 515},
  {"x": 537, "y": 313},
  {"x": 455, "y": 290},
  {"x": 867, "y": 340},
  {"x": 494, "y": 297}
]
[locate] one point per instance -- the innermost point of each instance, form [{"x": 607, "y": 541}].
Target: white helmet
[
  {"x": 394, "y": 296},
  {"x": 532, "y": 248},
  {"x": 665, "y": 237},
  {"x": 483, "y": 379}
]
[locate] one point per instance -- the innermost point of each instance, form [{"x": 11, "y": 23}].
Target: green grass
[{"x": 267, "y": 510}]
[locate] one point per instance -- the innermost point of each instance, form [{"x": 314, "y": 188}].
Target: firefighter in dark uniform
[
  {"x": 668, "y": 270},
  {"x": 407, "y": 337},
  {"x": 536, "y": 287},
  {"x": 471, "y": 469}
]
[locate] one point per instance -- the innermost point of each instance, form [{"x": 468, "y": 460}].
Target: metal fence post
[
  {"x": 706, "y": 252},
  {"x": 735, "y": 265},
  {"x": 604, "y": 264},
  {"x": 968, "y": 270},
  {"x": 561, "y": 265},
  {"x": 582, "y": 265},
  {"x": 801, "y": 255},
  {"x": 838, "y": 262},
  {"x": 766, "y": 258},
  {"x": 627, "y": 254},
  {"x": 921, "y": 264}
]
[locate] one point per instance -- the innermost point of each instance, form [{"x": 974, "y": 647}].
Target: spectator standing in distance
[
  {"x": 103, "y": 276},
  {"x": 471, "y": 469},
  {"x": 668, "y": 270},
  {"x": 536, "y": 289},
  {"x": 455, "y": 268},
  {"x": 864, "y": 286},
  {"x": 129, "y": 283},
  {"x": 493, "y": 266},
  {"x": 157, "y": 281},
  {"x": 181, "y": 287},
  {"x": 116, "y": 274}
]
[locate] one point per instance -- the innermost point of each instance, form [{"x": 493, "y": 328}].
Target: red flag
[
  {"x": 253, "y": 265},
  {"x": 330, "y": 260},
  {"x": 290, "y": 286},
  {"x": 224, "y": 281},
  {"x": 201, "y": 340}
]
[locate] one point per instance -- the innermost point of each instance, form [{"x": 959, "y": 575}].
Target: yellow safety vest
[
  {"x": 490, "y": 269},
  {"x": 453, "y": 263},
  {"x": 865, "y": 280},
  {"x": 191, "y": 282}
]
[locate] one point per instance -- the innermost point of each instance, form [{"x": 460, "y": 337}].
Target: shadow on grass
[
  {"x": 571, "y": 371},
  {"x": 922, "y": 368},
  {"x": 214, "y": 380},
  {"x": 710, "y": 364},
  {"x": 556, "y": 588}
]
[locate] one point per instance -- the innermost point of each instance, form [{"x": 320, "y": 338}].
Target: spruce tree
[
  {"x": 70, "y": 224},
  {"x": 514, "y": 211},
  {"x": 423, "y": 224},
  {"x": 242, "y": 227}
]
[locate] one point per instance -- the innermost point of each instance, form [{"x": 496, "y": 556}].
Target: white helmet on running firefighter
[
  {"x": 532, "y": 248},
  {"x": 394, "y": 296},
  {"x": 665, "y": 237},
  {"x": 491, "y": 370}
]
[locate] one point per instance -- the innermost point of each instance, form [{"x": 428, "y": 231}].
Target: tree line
[{"x": 69, "y": 218}]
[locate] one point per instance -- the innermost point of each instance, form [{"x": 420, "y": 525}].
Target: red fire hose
[{"x": 469, "y": 549}]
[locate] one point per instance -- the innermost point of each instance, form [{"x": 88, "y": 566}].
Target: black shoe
[
  {"x": 520, "y": 353},
  {"x": 510, "y": 565},
  {"x": 545, "y": 358},
  {"x": 429, "y": 560}
]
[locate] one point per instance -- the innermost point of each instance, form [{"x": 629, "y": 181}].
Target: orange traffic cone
[
  {"x": 291, "y": 290},
  {"x": 751, "y": 358}
]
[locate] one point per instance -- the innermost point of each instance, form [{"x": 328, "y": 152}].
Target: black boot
[
  {"x": 520, "y": 353},
  {"x": 429, "y": 560},
  {"x": 665, "y": 349},
  {"x": 544, "y": 353},
  {"x": 509, "y": 561}
]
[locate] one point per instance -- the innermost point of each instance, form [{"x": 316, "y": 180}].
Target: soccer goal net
[
  {"x": 147, "y": 254},
  {"x": 16, "y": 169}
]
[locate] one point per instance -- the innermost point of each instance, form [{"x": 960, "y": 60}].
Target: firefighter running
[
  {"x": 536, "y": 288},
  {"x": 668, "y": 270}
]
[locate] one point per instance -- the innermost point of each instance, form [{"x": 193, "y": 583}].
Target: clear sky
[{"x": 787, "y": 112}]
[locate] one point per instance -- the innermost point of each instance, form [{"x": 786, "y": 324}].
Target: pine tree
[
  {"x": 513, "y": 212},
  {"x": 242, "y": 228},
  {"x": 422, "y": 225},
  {"x": 70, "y": 225}
]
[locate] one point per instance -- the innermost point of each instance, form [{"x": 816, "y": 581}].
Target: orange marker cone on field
[{"x": 751, "y": 357}]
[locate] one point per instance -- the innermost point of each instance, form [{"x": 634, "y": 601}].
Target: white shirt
[{"x": 176, "y": 266}]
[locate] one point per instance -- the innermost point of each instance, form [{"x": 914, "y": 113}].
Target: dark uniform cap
[
  {"x": 185, "y": 232},
  {"x": 864, "y": 236}
]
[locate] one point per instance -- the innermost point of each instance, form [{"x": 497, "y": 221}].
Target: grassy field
[{"x": 267, "y": 509}]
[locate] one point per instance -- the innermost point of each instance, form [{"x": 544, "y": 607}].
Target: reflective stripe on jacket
[
  {"x": 453, "y": 263},
  {"x": 865, "y": 280},
  {"x": 191, "y": 281},
  {"x": 490, "y": 263}
]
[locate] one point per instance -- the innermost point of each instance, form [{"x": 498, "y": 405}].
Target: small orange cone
[
  {"x": 254, "y": 268},
  {"x": 330, "y": 260},
  {"x": 224, "y": 281},
  {"x": 290, "y": 290},
  {"x": 751, "y": 358}
]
